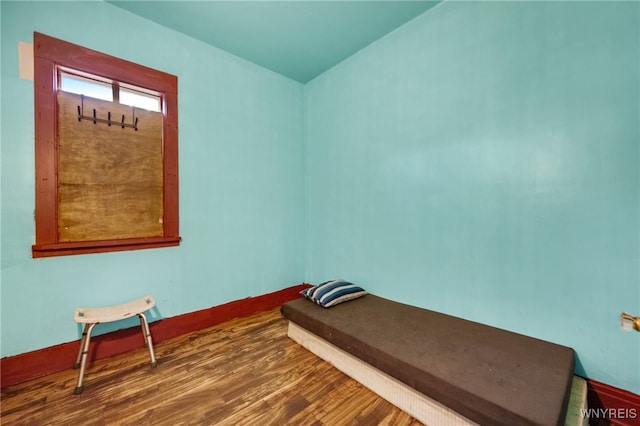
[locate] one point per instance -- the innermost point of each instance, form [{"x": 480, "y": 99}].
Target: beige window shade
[{"x": 110, "y": 179}]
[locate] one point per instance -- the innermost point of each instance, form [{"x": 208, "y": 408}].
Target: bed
[{"x": 439, "y": 368}]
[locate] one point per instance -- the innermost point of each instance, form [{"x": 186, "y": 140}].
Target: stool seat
[
  {"x": 113, "y": 313},
  {"x": 91, "y": 317}
]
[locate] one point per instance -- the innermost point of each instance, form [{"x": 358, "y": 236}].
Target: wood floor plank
[{"x": 242, "y": 372}]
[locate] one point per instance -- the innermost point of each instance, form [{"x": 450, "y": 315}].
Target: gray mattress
[{"x": 489, "y": 375}]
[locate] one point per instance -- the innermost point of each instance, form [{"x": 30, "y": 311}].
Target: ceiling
[{"x": 299, "y": 39}]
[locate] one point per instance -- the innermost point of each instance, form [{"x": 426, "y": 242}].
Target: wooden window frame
[{"x": 49, "y": 55}]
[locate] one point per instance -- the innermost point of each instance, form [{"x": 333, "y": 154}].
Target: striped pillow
[{"x": 334, "y": 292}]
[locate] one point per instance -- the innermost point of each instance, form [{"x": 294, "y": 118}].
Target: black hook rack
[{"x": 108, "y": 121}]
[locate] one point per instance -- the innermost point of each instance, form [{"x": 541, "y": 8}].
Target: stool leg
[
  {"x": 147, "y": 339},
  {"x": 84, "y": 337},
  {"x": 82, "y": 356}
]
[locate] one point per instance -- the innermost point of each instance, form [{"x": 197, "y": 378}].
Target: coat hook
[{"x": 108, "y": 120}]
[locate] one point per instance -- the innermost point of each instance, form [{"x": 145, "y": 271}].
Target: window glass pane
[
  {"x": 87, "y": 87},
  {"x": 140, "y": 100}
]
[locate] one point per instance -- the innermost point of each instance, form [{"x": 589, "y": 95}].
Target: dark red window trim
[{"x": 49, "y": 54}]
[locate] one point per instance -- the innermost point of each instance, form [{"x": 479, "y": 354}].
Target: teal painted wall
[
  {"x": 483, "y": 161},
  {"x": 241, "y": 158}
]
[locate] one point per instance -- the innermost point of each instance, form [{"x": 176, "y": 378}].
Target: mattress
[{"x": 489, "y": 375}]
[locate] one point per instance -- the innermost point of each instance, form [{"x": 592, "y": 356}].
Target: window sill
[{"x": 85, "y": 247}]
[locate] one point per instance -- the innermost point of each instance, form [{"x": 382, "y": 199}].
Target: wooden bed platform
[{"x": 440, "y": 369}]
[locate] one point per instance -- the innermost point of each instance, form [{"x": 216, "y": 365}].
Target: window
[
  {"x": 85, "y": 86},
  {"x": 82, "y": 100},
  {"x": 113, "y": 91}
]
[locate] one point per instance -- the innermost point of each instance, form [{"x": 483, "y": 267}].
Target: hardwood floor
[{"x": 243, "y": 372}]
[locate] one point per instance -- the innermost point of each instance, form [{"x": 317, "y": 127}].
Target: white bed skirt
[
  {"x": 419, "y": 406},
  {"x": 416, "y": 404}
]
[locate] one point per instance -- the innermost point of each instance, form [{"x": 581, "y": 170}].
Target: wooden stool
[{"x": 91, "y": 317}]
